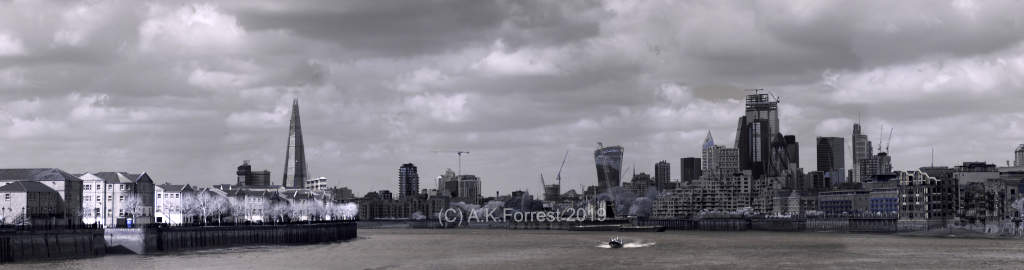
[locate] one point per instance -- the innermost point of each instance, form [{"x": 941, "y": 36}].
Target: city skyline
[{"x": 186, "y": 92}]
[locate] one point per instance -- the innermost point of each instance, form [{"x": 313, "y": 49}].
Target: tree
[
  {"x": 296, "y": 210},
  {"x": 132, "y": 205},
  {"x": 221, "y": 207},
  {"x": 314, "y": 209},
  {"x": 346, "y": 211},
  {"x": 189, "y": 206},
  {"x": 207, "y": 204},
  {"x": 279, "y": 210},
  {"x": 238, "y": 208}
]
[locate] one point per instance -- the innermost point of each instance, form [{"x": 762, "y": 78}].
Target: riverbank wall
[
  {"x": 852, "y": 224},
  {"x": 169, "y": 239},
  {"x": 53, "y": 244}
]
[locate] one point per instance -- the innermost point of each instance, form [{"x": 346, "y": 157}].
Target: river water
[{"x": 503, "y": 249}]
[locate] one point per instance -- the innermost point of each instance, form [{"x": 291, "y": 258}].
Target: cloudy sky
[{"x": 187, "y": 90}]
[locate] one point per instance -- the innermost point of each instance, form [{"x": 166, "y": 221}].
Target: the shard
[{"x": 295, "y": 172}]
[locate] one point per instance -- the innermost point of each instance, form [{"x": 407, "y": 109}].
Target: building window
[
  {"x": 120, "y": 198},
  {"x": 109, "y": 197},
  {"x": 7, "y": 197},
  {"x": 158, "y": 195},
  {"x": 88, "y": 187}
]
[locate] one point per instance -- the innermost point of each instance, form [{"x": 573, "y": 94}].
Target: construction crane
[
  {"x": 889, "y": 141},
  {"x": 558, "y": 177},
  {"x": 881, "y": 130},
  {"x": 457, "y": 152}
]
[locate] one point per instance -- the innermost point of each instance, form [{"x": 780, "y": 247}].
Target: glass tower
[
  {"x": 295, "y": 172},
  {"x": 609, "y": 167}
]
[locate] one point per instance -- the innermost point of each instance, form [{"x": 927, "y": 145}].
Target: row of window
[
  {"x": 109, "y": 197},
  {"x": 109, "y": 186},
  {"x": 168, "y": 195}
]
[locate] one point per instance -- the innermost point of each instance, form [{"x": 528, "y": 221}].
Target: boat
[
  {"x": 642, "y": 229},
  {"x": 600, "y": 228},
  {"x": 616, "y": 242}
]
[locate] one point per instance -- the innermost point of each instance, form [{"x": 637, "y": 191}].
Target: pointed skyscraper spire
[
  {"x": 295, "y": 172},
  {"x": 708, "y": 141}
]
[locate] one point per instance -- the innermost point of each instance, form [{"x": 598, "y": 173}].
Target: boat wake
[{"x": 629, "y": 244}]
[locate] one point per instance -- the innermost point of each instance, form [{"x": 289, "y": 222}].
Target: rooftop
[
  {"x": 36, "y": 174},
  {"x": 26, "y": 186}
]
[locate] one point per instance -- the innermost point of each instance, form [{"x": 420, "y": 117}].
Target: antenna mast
[{"x": 933, "y": 156}]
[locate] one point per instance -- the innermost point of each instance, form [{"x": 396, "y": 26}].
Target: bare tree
[
  {"x": 268, "y": 211},
  {"x": 167, "y": 208},
  {"x": 333, "y": 210},
  {"x": 341, "y": 211},
  {"x": 189, "y": 207},
  {"x": 315, "y": 209},
  {"x": 280, "y": 209},
  {"x": 296, "y": 210},
  {"x": 132, "y": 206},
  {"x": 238, "y": 208},
  {"x": 221, "y": 207},
  {"x": 206, "y": 204}
]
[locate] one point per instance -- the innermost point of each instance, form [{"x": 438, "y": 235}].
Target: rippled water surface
[{"x": 501, "y": 249}]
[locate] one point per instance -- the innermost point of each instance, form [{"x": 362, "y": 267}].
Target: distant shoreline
[{"x": 956, "y": 233}]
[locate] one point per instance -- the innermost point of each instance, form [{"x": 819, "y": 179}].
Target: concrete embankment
[
  {"x": 32, "y": 245},
  {"x": 870, "y": 225},
  {"x": 153, "y": 240}
]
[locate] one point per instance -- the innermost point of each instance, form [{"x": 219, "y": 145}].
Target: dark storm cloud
[{"x": 186, "y": 90}]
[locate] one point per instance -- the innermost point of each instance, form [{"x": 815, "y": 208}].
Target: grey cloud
[
  {"x": 405, "y": 29},
  {"x": 517, "y": 83}
]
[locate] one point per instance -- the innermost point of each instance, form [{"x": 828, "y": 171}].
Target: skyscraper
[
  {"x": 723, "y": 161},
  {"x": 793, "y": 150},
  {"x": 706, "y": 153},
  {"x": 757, "y": 133},
  {"x": 689, "y": 168},
  {"x": 448, "y": 183},
  {"x": 1018, "y": 156},
  {"x": 408, "y": 181},
  {"x": 830, "y": 158},
  {"x": 295, "y": 172},
  {"x": 861, "y": 148},
  {"x": 662, "y": 174},
  {"x": 609, "y": 166},
  {"x": 469, "y": 188}
]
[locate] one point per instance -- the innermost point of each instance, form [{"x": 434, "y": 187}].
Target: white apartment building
[
  {"x": 170, "y": 203},
  {"x": 114, "y": 198}
]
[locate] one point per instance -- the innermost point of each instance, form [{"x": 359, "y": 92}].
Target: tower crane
[
  {"x": 889, "y": 141},
  {"x": 457, "y": 152},
  {"x": 558, "y": 177}
]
